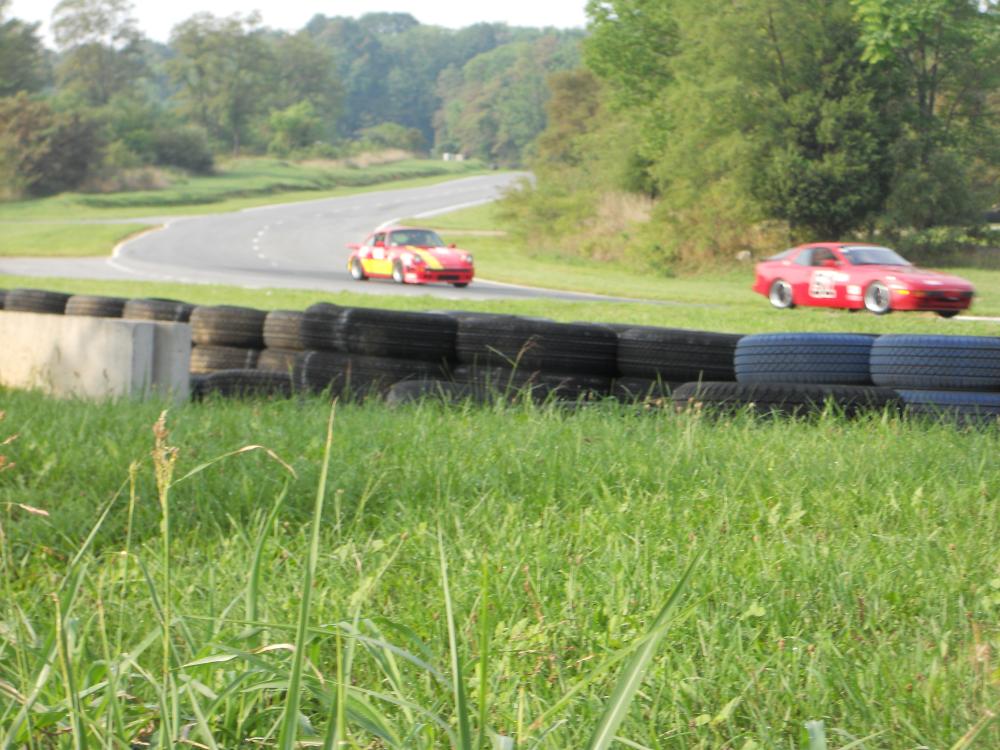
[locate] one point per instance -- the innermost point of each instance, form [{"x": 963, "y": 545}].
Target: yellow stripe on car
[{"x": 429, "y": 258}]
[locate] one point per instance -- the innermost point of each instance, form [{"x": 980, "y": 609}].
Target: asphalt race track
[{"x": 291, "y": 245}]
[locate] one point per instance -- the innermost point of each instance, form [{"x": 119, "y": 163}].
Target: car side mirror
[{"x": 451, "y": 244}]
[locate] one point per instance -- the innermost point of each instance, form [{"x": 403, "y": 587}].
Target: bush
[
  {"x": 186, "y": 147},
  {"x": 45, "y": 152}
]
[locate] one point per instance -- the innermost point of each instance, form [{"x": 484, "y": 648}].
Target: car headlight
[
  {"x": 468, "y": 258},
  {"x": 417, "y": 260}
]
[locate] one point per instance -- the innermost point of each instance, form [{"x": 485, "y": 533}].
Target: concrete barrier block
[{"x": 69, "y": 355}]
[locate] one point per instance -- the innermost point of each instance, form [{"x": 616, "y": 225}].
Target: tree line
[
  {"x": 107, "y": 101},
  {"x": 730, "y": 126}
]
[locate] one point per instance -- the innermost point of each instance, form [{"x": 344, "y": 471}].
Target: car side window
[
  {"x": 804, "y": 258},
  {"x": 822, "y": 254}
]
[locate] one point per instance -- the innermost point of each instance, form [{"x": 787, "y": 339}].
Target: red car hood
[
  {"x": 918, "y": 277},
  {"x": 449, "y": 257}
]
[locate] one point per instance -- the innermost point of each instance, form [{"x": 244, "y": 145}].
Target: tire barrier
[
  {"x": 539, "y": 385},
  {"x": 277, "y": 360},
  {"x": 228, "y": 325},
  {"x": 95, "y": 307},
  {"x": 155, "y": 308},
  {"x": 445, "y": 391},
  {"x": 676, "y": 354},
  {"x": 969, "y": 363},
  {"x": 428, "y": 337},
  {"x": 788, "y": 399},
  {"x": 523, "y": 344},
  {"x": 645, "y": 390},
  {"x": 356, "y": 376},
  {"x": 283, "y": 330},
  {"x": 832, "y": 358},
  {"x": 209, "y": 358},
  {"x": 36, "y": 301},
  {"x": 241, "y": 383},
  {"x": 319, "y": 328},
  {"x": 966, "y": 407},
  {"x": 461, "y": 355}
]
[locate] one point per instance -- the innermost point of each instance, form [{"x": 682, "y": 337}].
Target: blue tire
[
  {"x": 812, "y": 358},
  {"x": 963, "y": 363}
]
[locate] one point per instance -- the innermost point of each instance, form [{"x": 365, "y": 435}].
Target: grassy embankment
[{"x": 66, "y": 225}]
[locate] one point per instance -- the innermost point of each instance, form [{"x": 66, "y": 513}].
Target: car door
[
  {"x": 377, "y": 261},
  {"x": 828, "y": 277}
]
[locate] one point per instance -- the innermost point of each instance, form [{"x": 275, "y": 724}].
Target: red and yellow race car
[
  {"x": 409, "y": 255},
  {"x": 857, "y": 276}
]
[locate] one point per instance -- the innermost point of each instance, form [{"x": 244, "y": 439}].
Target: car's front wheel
[
  {"x": 947, "y": 313},
  {"x": 357, "y": 270},
  {"x": 397, "y": 273},
  {"x": 780, "y": 294},
  {"x": 877, "y": 298},
  {"x": 460, "y": 284}
]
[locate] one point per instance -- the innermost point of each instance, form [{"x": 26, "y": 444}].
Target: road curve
[{"x": 290, "y": 245}]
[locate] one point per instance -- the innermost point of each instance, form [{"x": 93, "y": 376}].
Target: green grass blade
[
  {"x": 458, "y": 684},
  {"x": 817, "y": 735},
  {"x": 253, "y": 585},
  {"x": 484, "y": 651},
  {"x": 290, "y": 720},
  {"x": 966, "y": 740},
  {"x": 631, "y": 677},
  {"x": 199, "y": 715}
]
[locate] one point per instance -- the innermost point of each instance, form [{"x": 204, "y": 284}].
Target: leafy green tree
[
  {"x": 393, "y": 135},
  {"x": 945, "y": 56},
  {"x": 23, "y": 63},
  {"x": 308, "y": 73},
  {"x": 293, "y": 128},
  {"x": 100, "y": 46},
  {"x": 44, "y": 151},
  {"x": 223, "y": 69},
  {"x": 494, "y": 108},
  {"x": 746, "y": 113}
]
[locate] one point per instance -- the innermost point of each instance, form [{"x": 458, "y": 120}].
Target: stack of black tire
[
  {"x": 795, "y": 374},
  {"x": 956, "y": 377},
  {"x": 798, "y": 373}
]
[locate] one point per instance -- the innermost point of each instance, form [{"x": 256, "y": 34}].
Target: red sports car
[
  {"x": 854, "y": 276},
  {"x": 408, "y": 255}
]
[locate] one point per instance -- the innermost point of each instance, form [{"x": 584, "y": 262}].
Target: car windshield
[
  {"x": 421, "y": 237},
  {"x": 873, "y": 256}
]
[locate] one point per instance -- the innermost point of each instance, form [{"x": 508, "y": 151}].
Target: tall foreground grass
[{"x": 493, "y": 577}]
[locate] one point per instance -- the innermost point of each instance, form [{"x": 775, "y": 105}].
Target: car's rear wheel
[
  {"x": 780, "y": 295},
  {"x": 947, "y": 313},
  {"x": 460, "y": 284},
  {"x": 877, "y": 298},
  {"x": 397, "y": 273},
  {"x": 357, "y": 270}
]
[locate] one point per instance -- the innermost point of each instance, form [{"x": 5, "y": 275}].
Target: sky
[{"x": 156, "y": 18}]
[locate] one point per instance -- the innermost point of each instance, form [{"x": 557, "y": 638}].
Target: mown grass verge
[
  {"x": 849, "y": 576},
  {"x": 44, "y": 240}
]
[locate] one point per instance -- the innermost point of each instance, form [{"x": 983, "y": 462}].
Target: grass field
[
  {"x": 849, "y": 575},
  {"x": 67, "y": 225},
  {"x": 489, "y": 577}
]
